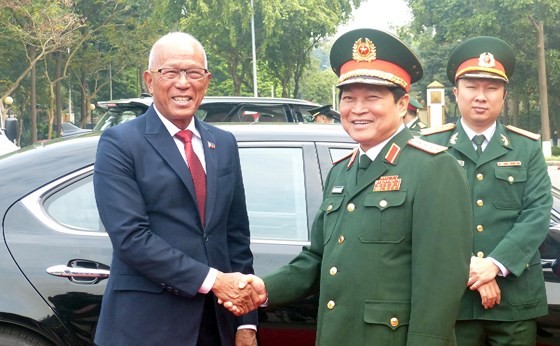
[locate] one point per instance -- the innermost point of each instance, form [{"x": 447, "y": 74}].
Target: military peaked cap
[
  {"x": 372, "y": 56},
  {"x": 481, "y": 57}
]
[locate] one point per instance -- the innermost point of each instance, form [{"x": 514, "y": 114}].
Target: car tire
[{"x": 16, "y": 336}]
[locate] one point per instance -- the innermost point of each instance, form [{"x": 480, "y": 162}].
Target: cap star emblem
[
  {"x": 486, "y": 60},
  {"x": 364, "y": 50}
]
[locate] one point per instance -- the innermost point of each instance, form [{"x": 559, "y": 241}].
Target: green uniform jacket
[
  {"x": 510, "y": 189},
  {"x": 417, "y": 126},
  {"x": 392, "y": 265}
]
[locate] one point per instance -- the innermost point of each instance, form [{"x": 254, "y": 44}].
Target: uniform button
[
  {"x": 341, "y": 239},
  {"x": 480, "y": 203},
  {"x": 394, "y": 322},
  {"x": 330, "y": 305},
  {"x": 333, "y": 271},
  {"x": 383, "y": 203},
  {"x": 351, "y": 207},
  {"x": 479, "y": 176},
  {"x": 510, "y": 179},
  {"x": 480, "y": 254},
  {"x": 329, "y": 208},
  {"x": 480, "y": 228}
]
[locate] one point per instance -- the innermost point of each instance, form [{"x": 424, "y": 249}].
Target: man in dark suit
[
  {"x": 173, "y": 204},
  {"x": 390, "y": 244},
  {"x": 511, "y": 199}
]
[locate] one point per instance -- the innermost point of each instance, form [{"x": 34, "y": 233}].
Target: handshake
[{"x": 239, "y": 293}]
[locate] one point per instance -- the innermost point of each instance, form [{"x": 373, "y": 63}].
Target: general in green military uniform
[
  {"x": 511, "y": 200},
  {"x": 390, "y": 245},
  {"x": 411, "y": 118}
]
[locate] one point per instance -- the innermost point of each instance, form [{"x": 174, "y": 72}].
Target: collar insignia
[
  {"x": 453, "y": 139},
  {"x": 211, "y": 145},
  {"x": 393, "y": 153},
  {"x": 504, "y": 140},
  {"x": 486, "y": 60},
  {"x": 364, "y": 50}
]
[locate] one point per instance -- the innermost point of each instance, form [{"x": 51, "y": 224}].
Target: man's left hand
[
  {"x": 482, "y": 270},
  {"x": 246, "y": 337}
]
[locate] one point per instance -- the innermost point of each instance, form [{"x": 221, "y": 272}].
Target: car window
[
  {"x": 118, "y": 115},
  {"x": 275, "y": 193},
  {"x": 274, "y": 187},
  {"x": 242, "y": 112},
  {"x": 338, "y": 153},
  {"x": 74, "y": 206}
]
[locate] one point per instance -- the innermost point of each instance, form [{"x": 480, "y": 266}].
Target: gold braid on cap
[
  {"x": 459, "y": 74},
  {"x": 376, "y": 74}
]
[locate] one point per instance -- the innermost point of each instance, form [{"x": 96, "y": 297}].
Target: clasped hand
[
  {"x": 239, "y": 293},
  {"x": 482, "y": 278}
]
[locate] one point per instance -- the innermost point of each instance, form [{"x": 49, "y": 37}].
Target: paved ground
[{"x": 554, "y": 172}]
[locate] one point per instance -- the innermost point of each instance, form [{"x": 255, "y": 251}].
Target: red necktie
[{"x": 197, "y": 171}]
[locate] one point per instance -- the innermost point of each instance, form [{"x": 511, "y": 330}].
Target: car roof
[
  {"x": 147, "y": 101},
  {"x": 45, "y": 162}
]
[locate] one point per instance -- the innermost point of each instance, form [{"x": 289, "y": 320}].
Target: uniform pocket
[
  {"x": 387, "y": 321},
  {"x": 510, "y": 183},
  {"x": 384, "y": 217}
]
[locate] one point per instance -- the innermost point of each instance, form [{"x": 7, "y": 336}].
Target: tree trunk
[
  {"x": 514, "y": 110},
  {"x": 58, "y": 93},
  {"x": 543, "y": 89},
  {"x": 32, "y": 53}
]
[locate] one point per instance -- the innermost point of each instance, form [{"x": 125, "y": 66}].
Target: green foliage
[{"x": 439, "y": 25}]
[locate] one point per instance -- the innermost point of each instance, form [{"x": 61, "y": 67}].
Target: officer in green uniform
[
  {"x": 511, "y": 200},
  {"x": 411, "y": 119},
  {"x": 390, "y": 245}
]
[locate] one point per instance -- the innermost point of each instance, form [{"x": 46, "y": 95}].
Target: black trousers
[{"x": 209, "y": 334}]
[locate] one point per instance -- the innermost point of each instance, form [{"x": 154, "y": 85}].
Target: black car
[
  {"x": 55, "y": 255},
  {"x": 220, "y": 109}
]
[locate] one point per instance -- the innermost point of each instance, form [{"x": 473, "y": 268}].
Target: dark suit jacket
[{"x": 161, "y": 252}]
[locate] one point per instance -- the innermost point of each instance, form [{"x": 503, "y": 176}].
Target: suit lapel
[
  {"x": 461, "y": 142},
  {"x": 158, "y": 136},
  {"x": 209, "y": 145}
]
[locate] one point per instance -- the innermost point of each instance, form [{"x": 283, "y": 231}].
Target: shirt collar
[
  {"x": 172, "y": 129},
  {"x": 488, "y": 133}
]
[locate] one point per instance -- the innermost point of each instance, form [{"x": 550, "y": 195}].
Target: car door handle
[{"x": 77, "y": 272}]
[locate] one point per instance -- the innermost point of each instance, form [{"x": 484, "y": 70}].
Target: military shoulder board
[
  {"x": 352, "y": 153},
  {"x": 428, "y": 147},
  {"x": 444, "y": 128},
  {"x": 522, "y": 132}
]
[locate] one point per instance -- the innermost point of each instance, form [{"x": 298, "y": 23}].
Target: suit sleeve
[
  {"x": 521, "y": 243},
  {"x": 441, "y": 250}
]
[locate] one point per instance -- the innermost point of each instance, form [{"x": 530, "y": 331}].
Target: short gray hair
[{"x": 174, "y": 37}]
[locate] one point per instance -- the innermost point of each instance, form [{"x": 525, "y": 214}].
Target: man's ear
[
  {"x": 402, "y": 105},
  {"x": 148, "y": 80}
]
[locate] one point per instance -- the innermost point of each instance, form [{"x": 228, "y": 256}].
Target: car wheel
[{"x": 15, "y": 336}]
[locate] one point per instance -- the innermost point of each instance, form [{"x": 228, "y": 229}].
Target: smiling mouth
[
  {"x": 361, "y": 122},
  {"x": 181, "y": 99}
]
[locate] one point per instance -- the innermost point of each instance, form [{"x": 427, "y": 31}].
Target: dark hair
[{"x": 397, "y": 92}]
